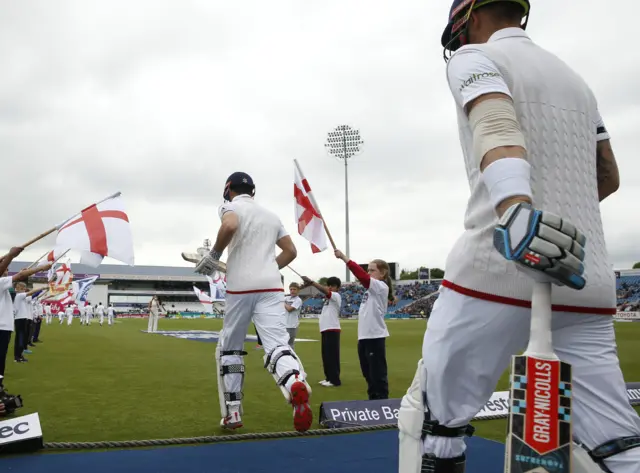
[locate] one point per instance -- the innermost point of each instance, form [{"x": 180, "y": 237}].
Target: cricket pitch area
[{"x": 117, "y": 383}]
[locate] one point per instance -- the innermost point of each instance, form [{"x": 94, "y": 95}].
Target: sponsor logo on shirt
[{"x": 476, "y": 77}]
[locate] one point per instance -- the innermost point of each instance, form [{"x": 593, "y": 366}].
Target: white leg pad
[
  {"x": 223, "y": 404},
  {"x": 281, "y": 364},
  {"x": 410, "y": 420}
]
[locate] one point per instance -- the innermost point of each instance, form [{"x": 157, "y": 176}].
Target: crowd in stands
[
  {"x": 412, "y": 298},
  {"x": 628, "y": 289},
  {"x": 406, "y": 295}
]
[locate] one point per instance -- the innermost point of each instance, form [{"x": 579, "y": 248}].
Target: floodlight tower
[{"x": 344, "y": 143}]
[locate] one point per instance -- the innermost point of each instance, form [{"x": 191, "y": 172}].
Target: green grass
[{"x": 117, "y": 383}]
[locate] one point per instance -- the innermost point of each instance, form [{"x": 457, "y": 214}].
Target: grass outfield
[{"x": 117, "y": 383}]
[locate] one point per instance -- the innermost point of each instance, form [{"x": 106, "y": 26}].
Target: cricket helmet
[
  {"x": 455, "y": 34},
  {"x": 238, "y": 179}
]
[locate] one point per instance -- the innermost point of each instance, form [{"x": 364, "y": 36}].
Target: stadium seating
[{"x": 413, "y": 300}]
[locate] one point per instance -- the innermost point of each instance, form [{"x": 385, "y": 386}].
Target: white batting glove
[
  {"x": 546, "y": 247},
  {"x": 209, "y": 264}
]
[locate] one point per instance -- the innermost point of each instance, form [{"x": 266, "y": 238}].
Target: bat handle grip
[{"x": 540, "y": 341}]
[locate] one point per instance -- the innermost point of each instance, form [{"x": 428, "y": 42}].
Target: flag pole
[
  {"x": 291, "y": 269},
  {"x": 315, "y": 204},
  {"x": 36, "y": 261},
  {"x": 58, "y": 258},
  {"x": 57, "y": 227}
]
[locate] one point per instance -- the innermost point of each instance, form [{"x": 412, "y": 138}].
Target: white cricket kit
[
  {"x": 153, "y": 316},
  {"x": 254, "y": 292},
  {"x": 88, "y": 314},
  {"x": 482, "y": 316},
  {"x": 100, "y": 313},
  {"x": 110, "y": 313},
  {"x": 373, "y": 308},
  {"x": 69, "y": 313},
  {"x": 61, "y": 316},
  {"x": 330, "y": 316},
  {"x": 47, "y": 314}
]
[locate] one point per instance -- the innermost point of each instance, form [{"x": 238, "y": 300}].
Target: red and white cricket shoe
[
  {"x": 233, "y": 420},
  {"x": 302, "y": 414}
]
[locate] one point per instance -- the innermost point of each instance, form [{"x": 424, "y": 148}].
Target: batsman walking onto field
[
  {"x": 539, "y": 161},
  {"x": 254, "y": 293}
]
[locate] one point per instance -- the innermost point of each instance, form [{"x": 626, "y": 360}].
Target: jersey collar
[
  {"x": 512, "y": 32},
  {"x": 242, "y": 197}
]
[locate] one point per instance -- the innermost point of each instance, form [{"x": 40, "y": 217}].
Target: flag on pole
[
  {"x": 81, "y": 288},
  {"x": 204, "y": 299},
  {"x": 308, "y": 218},
  {"x": 102, "y": 229}
]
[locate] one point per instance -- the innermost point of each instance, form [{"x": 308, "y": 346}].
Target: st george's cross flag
[
  {"x": 308, "y": 218},
  {"x": 100, "y": 230}
]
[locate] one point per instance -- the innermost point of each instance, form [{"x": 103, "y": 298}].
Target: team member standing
[
  {"x": 532, "y": 137},
  {"x": 254, "y": 292},
  {"x": 6, "y": 304},
  {"x": 372, "y": 329},
  {"x": 154, "y": 311},
  {"x": 100, "y": 313},
  {"x": 329, "y": 322},
  {"x": 23, "y": 314},
  {"x": 47, "y": 313},
  {"x": 38, "y": 322},
  {"x": 110, "y": 314},
  {"x": 293, "y": 304}
]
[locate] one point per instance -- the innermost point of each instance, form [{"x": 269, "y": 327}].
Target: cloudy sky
[{"x": 162, "y": 100}]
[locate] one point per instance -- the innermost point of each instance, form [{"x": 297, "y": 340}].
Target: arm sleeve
[
  {"x": 471, "y": 74},
  {"x": 296, "y": 303},
  {"x": 359, "y": 273},
  {"x": 335, "y": 297},
  {"x": 282, "y": 232},
  {"x": 224, "y": 208},
  {"x": 6, "y": 283},
  {"x": 601, "y": 131},
  {"x": 379, "y": 287}
]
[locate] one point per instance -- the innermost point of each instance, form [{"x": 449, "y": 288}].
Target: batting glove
[
  {"x": 546, "y": 247},
  {"x": 209, "y": 264}
]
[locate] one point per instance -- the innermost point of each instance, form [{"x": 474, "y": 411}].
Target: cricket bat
[
  {"x": 195, "y": 258},
  {"x": 539, "y": 435}
]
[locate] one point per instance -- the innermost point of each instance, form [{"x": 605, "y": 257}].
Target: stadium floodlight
[{"x": 344, "y": 143}]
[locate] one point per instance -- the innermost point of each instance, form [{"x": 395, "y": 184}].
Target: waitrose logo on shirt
[{"x": 476, "y": 77}]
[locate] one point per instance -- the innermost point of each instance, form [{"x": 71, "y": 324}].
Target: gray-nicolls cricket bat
[{"x": 539, "y": 436}]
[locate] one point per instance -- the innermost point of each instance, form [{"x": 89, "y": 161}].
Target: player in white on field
[
  {"x": 293, "y": 304},
  {"x": 110, "y": 314},
  {"x": 254, "y": 293},
  {"x": 532, "y": 138}
]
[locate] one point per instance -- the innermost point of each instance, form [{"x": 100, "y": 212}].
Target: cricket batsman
[
  {"x": 254, "y": 293},
  {"x": 539, "y": 162}
]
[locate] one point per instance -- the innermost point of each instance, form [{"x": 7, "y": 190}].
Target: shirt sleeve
[
  {"x": 379, "y": 287},
  {"x": 601, "y": 131},
  {"x": 224, "y": 208},
  {"x": 296, "y": 303},
  {"x": 335, "y": 297},
  {"x": 6, "y": 283},
  {"x": 282, "y": 232},
  {"x": 471, "y": 74}
]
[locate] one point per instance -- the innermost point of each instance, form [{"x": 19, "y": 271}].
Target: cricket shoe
[
  {"x": 302, "y": 414},
  {"x": 233, "y": 420}
]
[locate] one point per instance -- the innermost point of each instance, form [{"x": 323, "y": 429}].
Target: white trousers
[
  {"x": 101, "y": 319},
  {"x": 69, "y": 319},
  {"x": 266, "y": 310},
  {"x": 61, "y": 317},
  {"x": 153, "y": 322},
  {"x": 110, "y": 319},
  {"x": 48, "y": 319},
  {"x": 469, "y": 343}
]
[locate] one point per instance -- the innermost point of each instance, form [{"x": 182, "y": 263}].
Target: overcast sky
[{"x": 162, "y": 100}]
